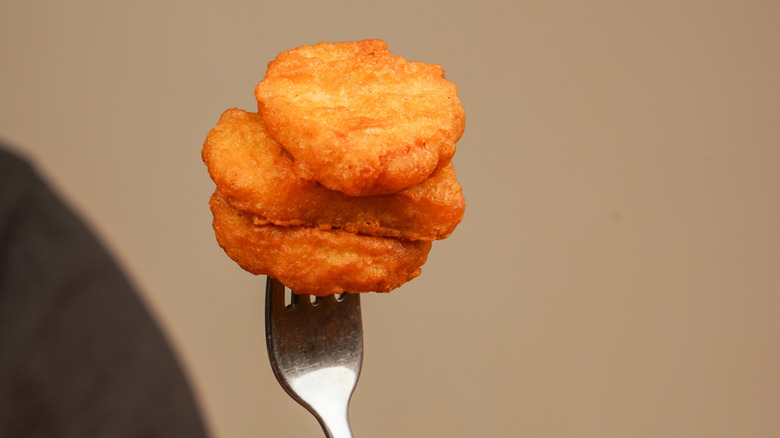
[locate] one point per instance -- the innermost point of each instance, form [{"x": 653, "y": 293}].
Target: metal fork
[{"x": 316, "y": 350}]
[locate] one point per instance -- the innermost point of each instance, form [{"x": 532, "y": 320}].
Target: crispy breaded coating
[
  {"x": 316, "y": 262},
  {"x": 343, "y": 178},
  {"x": 357, "y": 118},
  {"x": 256, "y": 175}
]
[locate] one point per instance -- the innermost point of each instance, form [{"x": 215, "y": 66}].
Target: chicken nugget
[
  {"x": 316, "y": 262},
  {"x": 357, "y": 118},
  {"x": 256, "y": 175}
]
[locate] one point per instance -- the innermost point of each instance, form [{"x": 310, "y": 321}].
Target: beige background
[{"x": 617, "y": 271}]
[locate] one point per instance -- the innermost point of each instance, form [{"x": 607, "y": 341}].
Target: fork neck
[{"x": 335, "y": 425}]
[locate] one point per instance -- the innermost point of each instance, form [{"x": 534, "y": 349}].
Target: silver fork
[{"x": 316, "y": 350}]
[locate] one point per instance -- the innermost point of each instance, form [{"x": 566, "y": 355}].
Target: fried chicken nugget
[
  {"x": 357, "y": 118},
  {"x": 256, "y": 175},
  {"x": 316, "y": 262}
]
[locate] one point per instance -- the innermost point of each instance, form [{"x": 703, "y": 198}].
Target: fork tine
[
  {"x": 274, "y": 295},
  {"x": 350, "y": 300},
  {"x": 297, "y": 299}
]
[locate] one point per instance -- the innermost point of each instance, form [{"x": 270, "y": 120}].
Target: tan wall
[{"x": 616, "y": 274}]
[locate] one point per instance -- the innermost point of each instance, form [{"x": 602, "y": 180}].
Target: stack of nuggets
[{"x": 343, "y": 178}]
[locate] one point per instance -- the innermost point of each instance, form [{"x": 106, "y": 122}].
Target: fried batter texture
[
  {"x": 313, "y": 261},
  {"x": 358, "y": 119},
  {"x": 343, "y": 179},
  {"x": 255, "y": 175}
]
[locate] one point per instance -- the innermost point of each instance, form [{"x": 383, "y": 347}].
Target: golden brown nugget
[
  {"x": 316, "y": 262},
  {"x": 256, "y": 175},
  {"x": 357, "y": 118}
]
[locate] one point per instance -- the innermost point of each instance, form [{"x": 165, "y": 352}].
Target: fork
[{"x": 316, "y": 350}]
